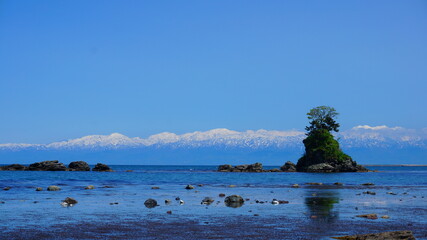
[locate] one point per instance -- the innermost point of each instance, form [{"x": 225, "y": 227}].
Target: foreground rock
[
  {"x": 13, "y": 167},
  {"x": 234, "y": 201},
  {"x": 99, "y": 167},
  {"x": 289, "y": 167},
  {"x": 68, "y": 202},
  {"x": 256, "y": 167},
  {"x": 150, "y": 203},
  {"x": 78, "y": 166},
  {"x": 54, "y": 165},
  {"x": 380, "y": 236}
]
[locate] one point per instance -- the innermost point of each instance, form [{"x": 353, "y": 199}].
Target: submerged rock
[
  {"x": 150, "y": 203},
  {"x": 295, "y": 185},
  {"x": 54, "y": 165},
  {"x": 234, "y": 201},
  {"x": 100, "y": 167},
  {"x": 90, "y": 187},
  {"x": 189, "y": 187},
  {"x": 289, "y": 167},
  {"x": 39, "y": 189},
  {"x": 13, "y": 167},
  {"x": 207, "y": 201},
  {"x": 78, "y": 166},
  {"x": 380, "y": 236},
  {"x": 368, "y": 216},
  {"x": 53, "y": 188}
]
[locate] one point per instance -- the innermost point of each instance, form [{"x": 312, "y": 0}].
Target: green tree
[{"x": 322, "y": 117}]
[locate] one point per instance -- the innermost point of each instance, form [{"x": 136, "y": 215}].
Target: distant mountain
[{"x": 218, "y": 145}]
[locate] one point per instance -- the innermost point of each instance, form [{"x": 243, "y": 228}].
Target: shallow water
[{"x": 313, "y": 211}]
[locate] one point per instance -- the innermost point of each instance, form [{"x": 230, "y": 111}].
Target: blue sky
[{"x": 74, "y": 68}]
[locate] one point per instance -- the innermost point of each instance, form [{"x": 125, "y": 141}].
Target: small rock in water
[
  {"x": 221, "y": 195},
  {"x": 207, "y": 201},
  {"x": 150, "y": 203},
  {"x": 181, "y": 202},
  {"x": 189, "y": 187},
  {"x": 167, "y": 201},
  {"x": 99, "y": 167},
  {"x": 231, "y": 186},
  {"x": 295, "y": 186},
  {"x": 368, "y": 216},
  {"x": 368, "y": 184},
  {"x": 155, "y": 187},
  {"x": 107, "y": 186},
  {"x": 314, "y": 183},
  {"x": 90, "y": 187},
  {"x": 53, "y": 188},
  {"x": 2, "y": 202},
  {"x": 338, "y": 184},
  {"x": 169, "y": 212},
  {"x": 177, "y": 198},
  {"x": 200, "y": 185},
  {"x": 35, "y": 201},
  {"x": 6, "y": 188},
  {"x": 275, "y": 202},
  {"x": 39, "y": 189},
  {"x": 391, "y": 193},
  {"x": 256, "y": 215},
  {"x": 129, "y": 170},
  {"x": 234, "y": 201},
  {"x": 385, "y": 217},
  {"x": 369, "y": 192},
  {"x": 68, "y": 202}
]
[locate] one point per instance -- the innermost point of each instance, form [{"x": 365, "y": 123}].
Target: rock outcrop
[
  {"x": 14, "y": 167},
  {"x": 380, "y": 236},
  {"x": 289, "y": 167},
  {"x": 256, "y": 167},
  {"x": 234, "y": 201},
  {"x": 78, "y": 166},
  {"x": 54, "y": 165},
  {"x": 99, "y": 167},
  {"x": 323, "y": 154}
]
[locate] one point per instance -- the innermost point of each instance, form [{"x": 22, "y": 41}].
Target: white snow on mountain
[{"x": 359, "y": 136}]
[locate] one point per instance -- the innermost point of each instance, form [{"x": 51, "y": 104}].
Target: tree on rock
[{"x": 322, "y": 151}]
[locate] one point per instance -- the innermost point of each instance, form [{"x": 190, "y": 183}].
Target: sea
[{"x": 115, "y": 208}]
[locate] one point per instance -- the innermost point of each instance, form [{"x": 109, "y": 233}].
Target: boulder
[
  {"x": 53, "y": 188},
  {"x": 225, "y": 168},
  {"x": 234, "y": 201},
  {"x": 289, "y": 167},
  {"x": 275, "y": 170},
  {"x": 38, "y": 189},
  {"x": 54, "y": 165},
  {"x": 150, "y": 203},
  {"x": 99, "y": 167},
  {"x": 368, "y": 216},
  {"x": 380, "y": 236},
  {"x": 78, "y": 166},
  {"x": 189, "y": 187},
  {"x": 320, "y": 168},
  {"x": 13, "y": 167},
  {"x": 70, "y": 201}
]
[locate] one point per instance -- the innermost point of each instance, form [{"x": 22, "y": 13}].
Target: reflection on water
[{"x": 321, "y": 205}]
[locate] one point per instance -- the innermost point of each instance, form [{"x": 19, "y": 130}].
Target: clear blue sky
[{"x": 74, "y": 68}]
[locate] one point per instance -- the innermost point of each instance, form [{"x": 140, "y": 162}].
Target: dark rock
[
  {"x": 78, "y": 166},
  {"x": 6, "y": 188},
  {"x": 107, "y": 186},
  {"x": 54, "y": 165},
  {"x": 39, "y": 189},
  {"x": 275, "y": 170},
  {"x": 169, "y": 212},
  {"x": 256, "y": 167},
  {"x": 369, "y": 192},
  {"x": 221, "y": 195},
  {"x": 207, "y": 201},
  {"x": 368, "y": 216},
  {"x": 338, "y": 184},
  {"x": 53, "y": 188},
  {"x": 99, "y": 167},
  {"x": 234, "y": 201},
  {"x": 289, "y": 167},
  {"x": 368, "y": 184},
  {"x": 69, "y": 202},
  {"x": 189, "y": 187},
  {"x": 225, "y": 168},
  {"x": 295, "y": 185},
  {"x": 380, "y": 236},
  {"x": 167, "y": 201},
  {"x": 314, "y": 183},
  {"x": 150, "y": 203},
  {"x": 321, "y": 167},
  {"x": 90, "y": 187},
  {"x": 13, "y": 167},
  {"x": 155, "y": 187},
  {"x": 129, "y": 171}
]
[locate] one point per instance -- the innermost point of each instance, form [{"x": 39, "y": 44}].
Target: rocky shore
[
  {"x": 256, "y": 167},
  {"x": 55, "y": 165}
]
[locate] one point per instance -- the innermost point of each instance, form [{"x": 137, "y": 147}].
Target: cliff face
[{"x": 323, "y": 154}]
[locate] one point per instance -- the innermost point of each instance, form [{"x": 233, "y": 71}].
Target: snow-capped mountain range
[{"x": 362, "y": 136}]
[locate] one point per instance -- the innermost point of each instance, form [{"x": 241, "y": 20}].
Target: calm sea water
[{"x": 26, "y": 209}]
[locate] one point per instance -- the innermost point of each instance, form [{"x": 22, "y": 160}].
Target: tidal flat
[{"x": 115, "y": 208}]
